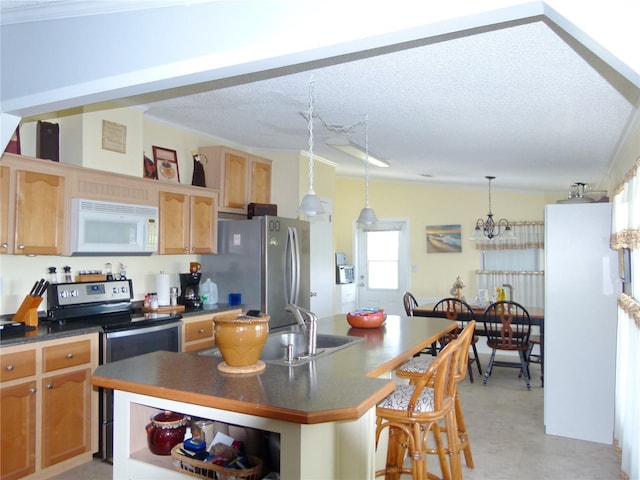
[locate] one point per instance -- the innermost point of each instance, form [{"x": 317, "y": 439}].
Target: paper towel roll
[{"x": 163, "y": 289}]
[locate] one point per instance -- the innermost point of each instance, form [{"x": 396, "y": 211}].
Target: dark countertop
[
  {"x": 51, "y": 330},
  {"x": 336, "y": 387}
]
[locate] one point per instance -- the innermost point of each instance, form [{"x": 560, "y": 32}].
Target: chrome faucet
[
  {"x": 309, "y": 327},
  {"x": 510, "y": 287}
]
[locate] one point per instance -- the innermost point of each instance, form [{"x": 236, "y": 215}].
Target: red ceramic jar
[{"x": 166, "y": 430}]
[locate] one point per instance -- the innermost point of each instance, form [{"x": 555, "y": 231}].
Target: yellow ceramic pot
[{"x": 241, "y": 338}]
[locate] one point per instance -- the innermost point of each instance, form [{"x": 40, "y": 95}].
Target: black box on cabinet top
[
  {"x": 48, "y": 141},
  {"x": 261, "y": 209}
]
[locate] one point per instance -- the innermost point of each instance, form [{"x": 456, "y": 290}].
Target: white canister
[{"x": 163, "y": 288}]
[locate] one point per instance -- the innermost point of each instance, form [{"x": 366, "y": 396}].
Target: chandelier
[{"x": 491, "y": 228}]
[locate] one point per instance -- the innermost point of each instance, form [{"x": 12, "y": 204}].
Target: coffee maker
[{"x": 190, "y": 290}]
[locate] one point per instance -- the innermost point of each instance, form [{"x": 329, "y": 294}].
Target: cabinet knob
[
  {"x": 201, "y": 330},
  {"x": 33, "y": 390},
  {"x": 20, "y": 247},
  {"x": 4, "y": 245},
  {"x": 69, "y": 355},
  {"x": 49, "y": 386},
  {"x": 10, "y": 368}
]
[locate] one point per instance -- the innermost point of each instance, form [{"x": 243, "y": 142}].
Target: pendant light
[
  {"x": 311, "y": 204},
  {"x": 367, "y": 215},
  {"x": 491, "y": 229}
]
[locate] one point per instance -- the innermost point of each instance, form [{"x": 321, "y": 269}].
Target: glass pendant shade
[
  {"x": 311, "y": 204},
  {"x": 367, "y": 216}
]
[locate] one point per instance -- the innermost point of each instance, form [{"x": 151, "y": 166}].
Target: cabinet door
[
  {"x": 260, "y": 181},
  {"x": 235, "y": 180},
  {"x": 4, "y": 209},
  {"x": 18, "y": 430},
  {"x": 174, "y": 221},
  {"x": 39, "y": 213},
  {"x": 66, "y": 416},
  {"x": 204, "y": 237}
]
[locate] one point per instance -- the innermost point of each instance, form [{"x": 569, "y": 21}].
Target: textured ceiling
[{"x": 523, "y": 102}]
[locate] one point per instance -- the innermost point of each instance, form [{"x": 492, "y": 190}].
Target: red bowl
[{"x": 366, "y": 319}]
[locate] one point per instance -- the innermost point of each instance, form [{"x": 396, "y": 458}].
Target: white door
[
  {"x": 382, "y": 275},
  {"x": 322, "y": 273}
]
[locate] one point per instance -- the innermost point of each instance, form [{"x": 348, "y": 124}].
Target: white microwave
[{"x": 101, "y": 228}]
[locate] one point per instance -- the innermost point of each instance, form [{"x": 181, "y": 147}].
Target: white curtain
[
  {"x": 625, "y": 233},
  {"x": 528, "y": 287}
]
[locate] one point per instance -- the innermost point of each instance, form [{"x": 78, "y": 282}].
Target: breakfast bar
[{"x": 324, "y": 410}]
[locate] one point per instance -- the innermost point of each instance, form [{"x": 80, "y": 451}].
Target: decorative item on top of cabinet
[
  {"x": 242, "y": 178},
  {"x": 188, "y": 220}
]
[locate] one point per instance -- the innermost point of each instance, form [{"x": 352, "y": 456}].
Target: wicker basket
[{"x": 202, "y": 469}]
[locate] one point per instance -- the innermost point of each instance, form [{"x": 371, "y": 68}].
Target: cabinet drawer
[
  {"x": 198, "y": 330},
  {"x": 17, "y": 365},
  {"x": 66, "y": 355}
]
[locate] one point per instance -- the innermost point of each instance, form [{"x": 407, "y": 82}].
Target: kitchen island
[{"x": 324, "y": 410}]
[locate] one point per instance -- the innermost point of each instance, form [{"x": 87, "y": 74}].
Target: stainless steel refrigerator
[{"x": 266, "y": 259}]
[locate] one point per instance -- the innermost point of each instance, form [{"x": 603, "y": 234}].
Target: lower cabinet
[
  {"x": 66, "y": 416},
  {"x": 18, "y": 424},
  {"x": 197, "y": 331},
  {"x": 48, "y": 408}
]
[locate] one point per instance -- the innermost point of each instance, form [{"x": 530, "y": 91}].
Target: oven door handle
[{"x": 130, "y": 332}]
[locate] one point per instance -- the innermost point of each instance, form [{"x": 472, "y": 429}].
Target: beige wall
[{"x": 434, "y": 273}]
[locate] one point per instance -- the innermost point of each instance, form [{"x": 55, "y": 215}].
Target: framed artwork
[
  {"x": 114, "y": 137},
  {"x": 444, "y": 239},
  {"x": 149, "y": 169},
  {"x": 166, "y": 164}
]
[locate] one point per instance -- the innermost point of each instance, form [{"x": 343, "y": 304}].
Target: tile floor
[{"x": 505, "y": 424}]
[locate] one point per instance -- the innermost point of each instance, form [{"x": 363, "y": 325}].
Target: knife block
[{"x": 28, "y": 311}]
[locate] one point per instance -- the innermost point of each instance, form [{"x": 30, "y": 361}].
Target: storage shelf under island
[{"x": 324, "y": 410}]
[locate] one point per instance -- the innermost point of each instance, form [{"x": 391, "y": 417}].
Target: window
[{"x": 382, "y": 259}]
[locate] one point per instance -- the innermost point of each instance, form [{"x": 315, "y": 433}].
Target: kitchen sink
[{"x": 275, "y": 348}]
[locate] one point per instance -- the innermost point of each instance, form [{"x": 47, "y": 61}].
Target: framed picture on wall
[
  {"x": 444, "y": 239},
  {"x": 166, "y": 161}
]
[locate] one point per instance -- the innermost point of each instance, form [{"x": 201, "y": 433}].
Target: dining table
[{"x": 536, "y": 314}]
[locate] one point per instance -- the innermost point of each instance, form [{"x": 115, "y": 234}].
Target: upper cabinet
[
  {"x": 32, "y": 207},
  {"x": 240, "y": 177},
  {"x": 35, "y": 200},
  {"x": 188, "y": 220}
]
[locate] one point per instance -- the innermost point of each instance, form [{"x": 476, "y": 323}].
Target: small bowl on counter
[{"x": 366, "y": 318}]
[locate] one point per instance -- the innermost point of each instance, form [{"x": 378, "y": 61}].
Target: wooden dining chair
[
  {"x": 409, "y": 302},
  {"x": 415, "y": 367},
  {"x": 459, "y": 311},
  {"x": 507, "y": 327},
  {"x": 414, "y": 411}
]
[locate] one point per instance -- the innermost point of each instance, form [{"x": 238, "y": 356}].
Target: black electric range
[{"x": 105, "y": 304}]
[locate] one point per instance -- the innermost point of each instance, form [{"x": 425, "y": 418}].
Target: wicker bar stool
[
  {"x": 416, "y": 366},
  {"x": 413, "y": 411}
]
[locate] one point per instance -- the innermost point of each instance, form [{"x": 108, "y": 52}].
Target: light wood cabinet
[
  {"x": 33, "y": 207},
  {"x": 4, "y": 209},
  {"x": 66, "y": 416},
  {"x": 197, "y": 331},
  {"x": 260, "y": 180},
  {"x": 188, "y": 221},
  {"x": 48, "y": 408},
  {"x": 240, "y": 177}
]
